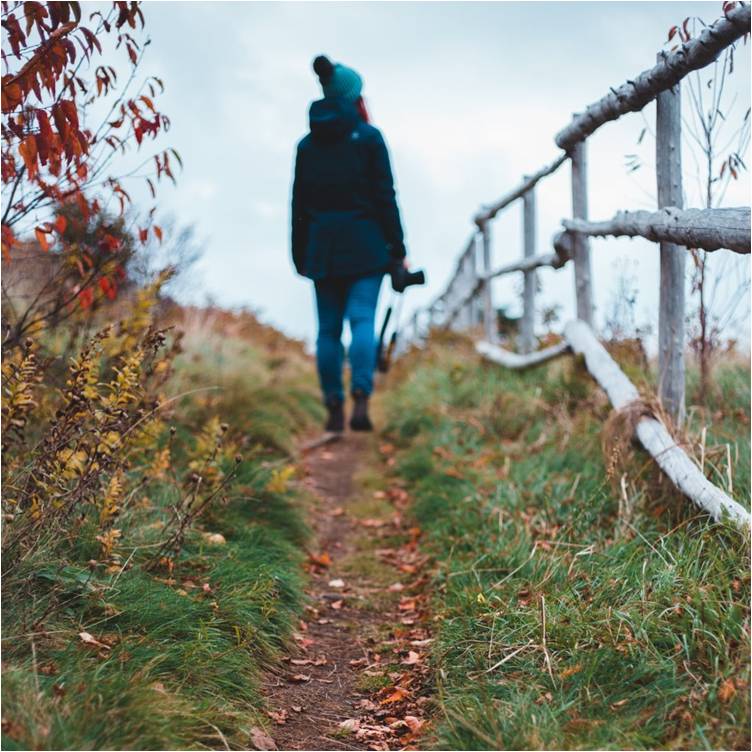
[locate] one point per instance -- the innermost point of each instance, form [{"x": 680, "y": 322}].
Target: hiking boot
[
  {"x": 359, "y": 420},
  {"x": 336, "y": 420}
]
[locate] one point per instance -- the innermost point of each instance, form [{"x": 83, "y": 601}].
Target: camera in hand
[{"x": 402, "y": 278}]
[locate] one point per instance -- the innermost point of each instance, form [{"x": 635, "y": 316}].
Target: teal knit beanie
[{"x": 337, "y": 80}]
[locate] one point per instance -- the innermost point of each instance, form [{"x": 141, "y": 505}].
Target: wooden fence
[{"x": 467, "y": 300}]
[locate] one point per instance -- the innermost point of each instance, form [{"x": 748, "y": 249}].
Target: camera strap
[{"x": 384, "y": 355}]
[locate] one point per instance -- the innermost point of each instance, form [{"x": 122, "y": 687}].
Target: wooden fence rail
[
  {"x": 707, "y": 229},
  {"x": 669, "y": 71},
  {"x": 467, "y": 300}
]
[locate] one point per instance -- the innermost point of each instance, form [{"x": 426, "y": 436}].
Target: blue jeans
[{"x": 353, "y": 299}]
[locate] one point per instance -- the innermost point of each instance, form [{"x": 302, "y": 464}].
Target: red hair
[{"x": 360, "y": 105}]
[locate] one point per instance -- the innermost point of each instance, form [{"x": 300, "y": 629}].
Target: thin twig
[{"x": 544, "y": 643}]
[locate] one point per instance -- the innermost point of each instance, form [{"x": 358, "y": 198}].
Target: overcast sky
[{"x": 468, "y": 96}]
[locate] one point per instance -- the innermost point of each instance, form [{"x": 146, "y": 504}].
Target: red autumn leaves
[
  {"x": 51, "y": 157},
  {"x": 45, "y": 147}
]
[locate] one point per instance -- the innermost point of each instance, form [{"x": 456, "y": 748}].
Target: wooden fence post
[
  {"x": 527, "y": 325},
  {"x": 468, "y": 280},
  {"x": 671, "y": 305},
  {"x": 582, "y": 273},
  {"x": 489, "y": 315}
]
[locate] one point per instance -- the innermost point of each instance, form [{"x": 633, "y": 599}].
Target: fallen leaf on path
[
  {"x": 337, "y": 605},
  {"x": 338, "y": 583},
  {"x": 297, "y": 708},
  {"x": 412, "y": 658},
  {"x": 320, "y": 661},
  {"x": 571, "y": 671},
  {"x": 301, "y": 661},
  {"x": 89, "y": 639},
  {"x": 372, "y": 522},
  {"x": 726, "y": 691},
  {"x": 351, "y": 725},
  {"x": 261, "y": 740},
  {"x": 303, "y": 642},
  {"x": 397, "y": 694},
  {"x": 338, "y": 511},
  {"x": 322, "y": 560},
  {"x": 407, "y": 604},
  {"x": 396, "y": 587},
  {"x": 299, "y": 678},
  {"x": 279, "y": 717},
  {"x": 373, "y": 732},
  {"x": 413, "y": 723},
  {"x": 398, "y": 495}
]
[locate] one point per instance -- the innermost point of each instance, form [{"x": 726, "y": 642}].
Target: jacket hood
[{"x": 332, "y": 119}]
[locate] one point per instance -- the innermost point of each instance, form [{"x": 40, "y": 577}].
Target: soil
[{"x": 337, "y": 690}]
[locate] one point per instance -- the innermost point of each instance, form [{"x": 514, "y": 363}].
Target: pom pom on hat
[{"x": 323, "y": 68}]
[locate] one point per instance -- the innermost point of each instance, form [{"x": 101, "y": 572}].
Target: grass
[
  {"x": 178, "y": 654},
  {"x": 569, "y": 613}
]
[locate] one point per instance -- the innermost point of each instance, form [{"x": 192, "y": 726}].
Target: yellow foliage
[
  {"x": 111, "y": 501},
  {"x": 72, "y": 463},
  {"x": 161, "y": 463},
  {"x": 110, "y": 441},
  {"x": 209, "y": 451},
  {"x": 280, "y": 479},
  {"x": 107, "y": 540},
  {"x": 20, "y": 376}
]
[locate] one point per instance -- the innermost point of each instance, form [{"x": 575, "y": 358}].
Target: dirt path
[{"x": 357, "y": 680}]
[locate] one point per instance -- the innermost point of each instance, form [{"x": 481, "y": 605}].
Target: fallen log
[
  {"x": 708, "y": 229},
  {"x": 508, "y": 359},
  {"x": 634, "y": 95},
  {"x": 651, "y": 432}
]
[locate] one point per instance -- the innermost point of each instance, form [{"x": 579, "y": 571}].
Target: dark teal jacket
[{"x": 345, "y": 220}]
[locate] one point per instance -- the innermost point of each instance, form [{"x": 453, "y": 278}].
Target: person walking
[{"x": 346, "y": 234}]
